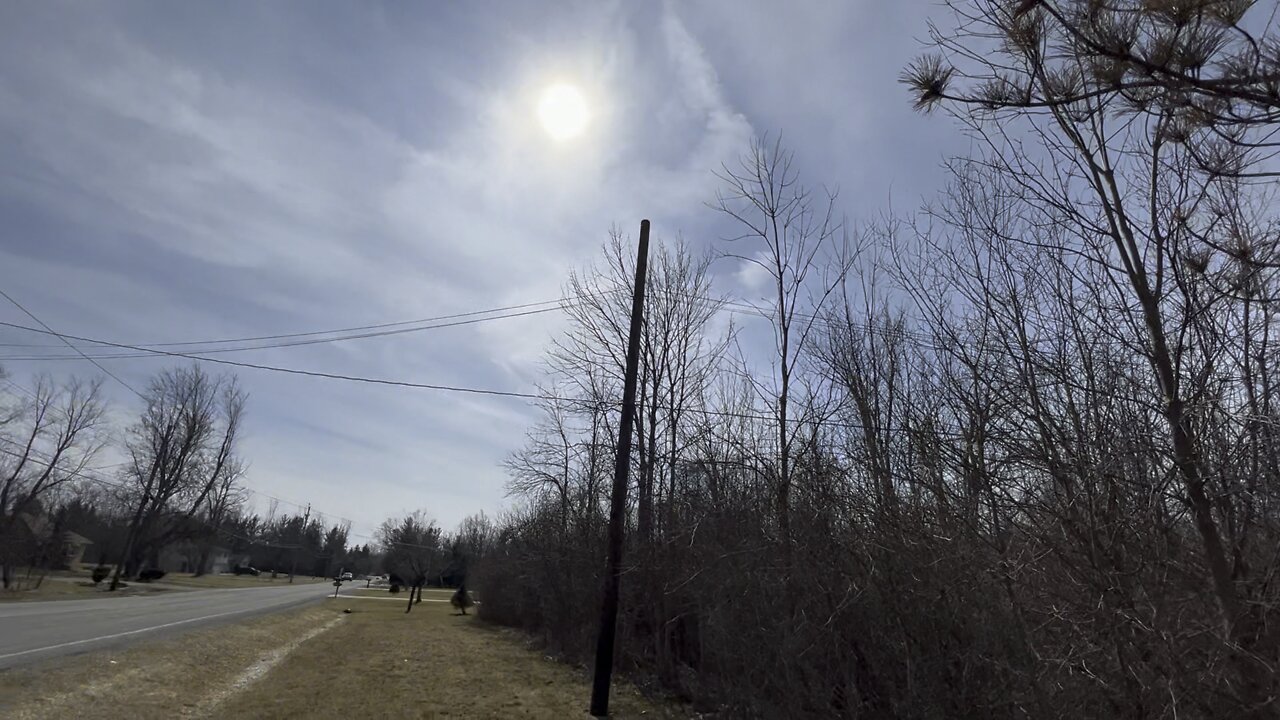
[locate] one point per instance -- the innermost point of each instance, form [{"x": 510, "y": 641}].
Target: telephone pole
[
  {"x": 618, "y": 503},
  {"x": 297, "y": 544}
]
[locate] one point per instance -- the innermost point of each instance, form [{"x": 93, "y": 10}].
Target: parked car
[
  {"x": 346, "y": 576},
  {"x": 246, "y": 570}
]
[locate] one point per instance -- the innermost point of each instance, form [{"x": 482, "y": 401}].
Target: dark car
[{"x": 245, "y": 570}]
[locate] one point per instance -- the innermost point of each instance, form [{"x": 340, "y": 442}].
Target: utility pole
[
  {"x": 297, "y": 544},
  {"x": 618, "y": 503}
]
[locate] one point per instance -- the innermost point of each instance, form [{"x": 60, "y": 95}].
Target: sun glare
[{"x": 563, "y": 111}]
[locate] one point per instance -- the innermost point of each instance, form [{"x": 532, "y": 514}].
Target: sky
[{"x": 175, "y": 172}]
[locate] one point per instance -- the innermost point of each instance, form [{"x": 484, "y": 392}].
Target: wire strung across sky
[
  {"x": 51, "y": 331},
  {"x": 291, "y": 343},
  {"x": 467, "y": 318},
  {"x": 433, "y": 323},
  {"x": 428, "y": 386},
  {"x": 334, "y": 331}
]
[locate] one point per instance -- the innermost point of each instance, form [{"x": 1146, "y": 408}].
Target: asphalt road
[{"x": 32, "y": 631}]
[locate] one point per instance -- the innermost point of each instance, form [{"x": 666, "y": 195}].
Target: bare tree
[
  {"x": 1149, "y": 126},
  {"x": 549, "y": 457},
  {"x": 225, "y": 501},
  {"x": 412, "y": 550},
  {"x": 46, "y": 442},
  {"x": 676, "y": 358},
  {"x": 182, "y": 459},
  {"x": 795, "y": 240}
]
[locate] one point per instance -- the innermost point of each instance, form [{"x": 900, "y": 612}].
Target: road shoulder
[{"x": 164, "y": 678}]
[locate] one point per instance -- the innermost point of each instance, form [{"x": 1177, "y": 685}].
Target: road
[{"x": 32, "y": 631}]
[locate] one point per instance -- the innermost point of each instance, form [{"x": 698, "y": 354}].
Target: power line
[
  {"x": 425, "y": 386},
  {"x": 334, "y": 331},
  {"x": 291, "y": 371},
  {"x": 68, "y": 343},
  {"x": 416, "y": 385},
  {"x": 730, "y": 306},
  {"x": 149, "y": 352}
]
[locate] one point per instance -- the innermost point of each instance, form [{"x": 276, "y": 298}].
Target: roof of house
[{"x": 40, "y": 526}]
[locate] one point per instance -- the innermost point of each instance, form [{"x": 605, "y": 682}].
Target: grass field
[
  {"x": 235, "y": 581},
  {"x": 430, "y": 663},
  {"x": 182, "y": 676},
  {"x": 67, "y": 585},
  {"x": 427, "y": 593},
  {"x": 69, "y": 588},
  {"x": 52, "y": 589},
  {"x": 375, "y": 662}
]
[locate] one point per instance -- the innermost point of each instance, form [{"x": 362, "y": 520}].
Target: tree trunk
[
  {"x": 129, "y": 541},
  {"x": 417, "y": 587},
  {"x": 202, "y": 561}
]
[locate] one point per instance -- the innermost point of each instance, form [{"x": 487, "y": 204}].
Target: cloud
[
  {"x": 174, "y": 175},
  {"x": 168, "y": 194},
  {"x": 752, "y": 276}
]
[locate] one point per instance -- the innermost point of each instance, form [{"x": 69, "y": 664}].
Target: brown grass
[
  {"x": 76, "y": 585},
  {"x": 235, "y": 581},
  {"x": 157, "y": 679},
  {"x": 375, "y": 662},
  {"x": 430, "y": 663},
  {"x": 54, "y": 588}
]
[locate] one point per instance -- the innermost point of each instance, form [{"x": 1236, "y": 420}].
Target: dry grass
[
  {"x": 375, "y": 662},
  {"x": 65, "y": 588},
  {"x": 76, "y": 585},
  {"x": 235, "y": 581},
  {"x": 52, "y": 589},
  {"x": 427, "y": 664},
  {"x": 403, "y": 595},
  {"x": 160, "y": 679}
]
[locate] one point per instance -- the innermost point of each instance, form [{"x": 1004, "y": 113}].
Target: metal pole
[{"x": 618, "y": 504}]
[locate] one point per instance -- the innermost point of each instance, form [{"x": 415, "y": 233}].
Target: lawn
[
  {"x": 427, "y": 593},
  {"x": 68, "y": 585},
  {"x": 69, "y": 588},
  {"x": 52, "y": 589},
  {"x": 430, "y": 663},
  {"x": 181, "y": 676},
  {"x": 235, "y": 581},
  {"x": 374, "y": 662}
]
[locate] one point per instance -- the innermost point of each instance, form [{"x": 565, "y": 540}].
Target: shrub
[
  {"x": 150, "y": 574},
  {"x": 100, "y": 573}
]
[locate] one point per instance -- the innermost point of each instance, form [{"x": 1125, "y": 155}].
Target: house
[
  {"x": 184, "y": 557},
  {"x": 35, "y": 533},
  {"x": 219, "y": 560},
  {"x": 73, "y": 547}
]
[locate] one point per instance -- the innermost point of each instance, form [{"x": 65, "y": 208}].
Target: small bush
[
  {"x": 150, "y": 574},
  {"x": 100, "y": 573},
  {"x": 395, "y": 588}
]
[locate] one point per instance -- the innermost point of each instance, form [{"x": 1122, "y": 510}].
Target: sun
[{"x": 563, "y": 111}]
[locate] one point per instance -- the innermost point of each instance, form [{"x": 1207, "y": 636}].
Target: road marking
[{"x": 125, "y": 634}]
